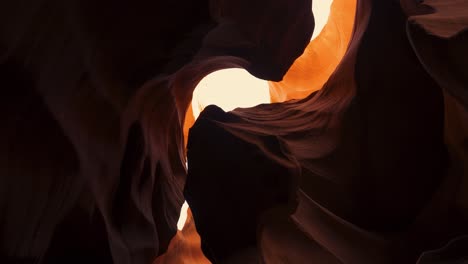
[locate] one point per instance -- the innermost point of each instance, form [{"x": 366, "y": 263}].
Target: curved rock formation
[
  {"x": 369, "y": 166},
  {"x": 376, "y": 183}
]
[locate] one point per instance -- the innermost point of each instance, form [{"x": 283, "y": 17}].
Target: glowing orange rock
[{"x": 313, "y": 68}]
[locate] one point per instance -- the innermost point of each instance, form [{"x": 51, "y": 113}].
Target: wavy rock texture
[
  {"x": 378, "y": 181},
  {"x": 368, "y": 166}
]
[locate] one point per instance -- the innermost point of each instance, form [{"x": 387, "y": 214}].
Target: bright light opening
[
  {"x": 229, "y": 89},
  {"x": 321, "y": 10},
  {"x": 232, "y": 88},
  {"x": 183, "y": 216}
]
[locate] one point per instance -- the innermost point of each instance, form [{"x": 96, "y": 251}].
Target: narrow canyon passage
[
  {"x": 287, "y": 131},
  {"x": 235, "y": 87}
]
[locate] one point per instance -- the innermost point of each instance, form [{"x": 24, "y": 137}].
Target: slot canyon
[{"x": 234, "y": 131}]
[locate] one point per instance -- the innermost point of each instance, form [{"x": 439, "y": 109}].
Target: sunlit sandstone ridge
[
  {"x": 334, "y": 25},
  {"x": 311, "y": 70}
]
